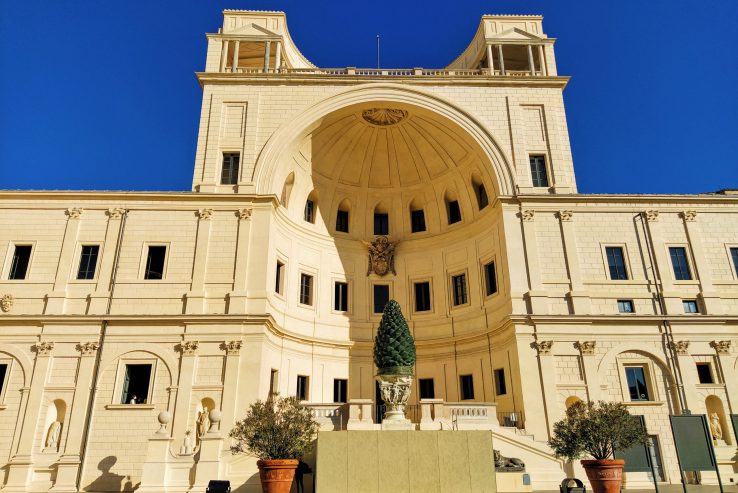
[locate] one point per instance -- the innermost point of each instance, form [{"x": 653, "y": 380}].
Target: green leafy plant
[
  {"x": 394, "y": 347},
  {"x": 597, "y": 430},
  {"x": 278, "y": 428}
]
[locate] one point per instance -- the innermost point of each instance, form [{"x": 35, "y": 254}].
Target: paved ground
[{"x": 677, "y": 488}]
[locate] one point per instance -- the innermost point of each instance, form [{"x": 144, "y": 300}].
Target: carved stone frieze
[
  {"x": 381, "y": 256},
  {"x": 6, "y": 302},
  {"x": 43, "y": 348},
  {"x": 384, "y": 116},
  {"x": 543, "y": 347},
  {"x": 586, "y": 347},
  {"x": 721, "y": 347},
  {"x": 88, "y": 348},
  {"x": 681, "y": 347}
]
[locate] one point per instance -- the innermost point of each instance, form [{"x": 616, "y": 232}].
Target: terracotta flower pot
[
  {"x": 605, "y": 476},
  {"x": 277, "y": 475}
]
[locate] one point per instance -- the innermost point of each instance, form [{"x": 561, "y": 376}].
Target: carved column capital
[
  {"x": 721, "y": 347},
  {"x": 681, "y": 347},
  {"x": 232, "y": 348},
  {"x": 566, "y": 216},
  {"x": 244, "y": 214},
  {"x": 528, "y": 215},
  {"x": 543, "y": 347},
  {"x": 116, "y": 213},
  {"x": 43, "y": 348},
  {"x": 652, "y": 215},
  {"x": 587, "y": 348},
  {"x": 73, "y": 212},
  {"x": 189, "y": 348},
  {"x": 205, "y": 213},
  {"x": 689, "y": 216},
  {"x": 88, "y": 348}
]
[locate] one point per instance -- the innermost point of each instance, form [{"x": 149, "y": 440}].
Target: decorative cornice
[
  {"x": 43, "y": 348},
  {"x": 652, "y": 215},
  {"x": 6, "y": 302},
  {"x": 586, "y": 347},
  {"x": 689, "y": 216},
  {"x": 565, "y": 216},
  {"x": 88, "y": 348},
  {"x": 74, "y": 212},
  {"x": 116, "y": 213},
  {"x": 204, "y": 213},
  {"x": 721, "y": 347},
  {"x": 189, "y": 348},
  {"x": 543, "y": 347},
  {"x": 232, "y": 348},
  {"x": 244, "y": 214},
  {"x": 528, "y": 214},
  {"x": 681, "y": 347}
]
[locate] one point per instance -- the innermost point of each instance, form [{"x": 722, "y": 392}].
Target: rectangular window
[
  {"x": 381, "y": 223},
  {"x": 427, "y": 388},
  {"x": 342, "y": 221},
  {"x": 155, "y": 262},
  {"x": 306, "y": 289},
  {"x": 279, "y": 278},
  {"x": 309, "y": 211},
  {"x": 88, "y": 262},
  {"x": 340, "y": 297},
  {"x": 500, "y": 385},
  {"x": 3, "y": 374},
  {"x": 482, "y": 198},
  {"x": 340, "y": 390},
  {"x": 616, "y": 263},
  {"x": 229, "y": 174},
  {"x": 704, "y": 372},
  {"x": 21, "y": 259},
  {"x": 636, "y": 377},
  {"x": 690, "y": 306},
  {"x": 381, "y": 297},
  {"x": 458, "y": 286},
  {"x": 454, "y": 212},
  {"x": 467, "y": 387},
  {"x": 302, "y": 387},
  {"x": 490, "y": 279},
  {"x": 417, "y": 221},
  {"x": 273, "y": 382},
  {"x": 422, "y": 296},
  {"x": 625, "y": 306},
  {"x": 136, "y": 383},
  {"x": 538, "y": 171},
  {"x": 680, "y": 263},
  {"x": 734, "y": 255}
]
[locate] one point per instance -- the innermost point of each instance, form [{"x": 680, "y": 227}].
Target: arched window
[
  {"x": 452, "y": 207},
  {"x": 480, "y": 192},
  {"x": 342, "y": 216},
  {"x": 289, "y": 182},
  {"x": 417, "y": 217},
  {"x": 381, "y": 220},
  {"x": 311, "y": 207}
]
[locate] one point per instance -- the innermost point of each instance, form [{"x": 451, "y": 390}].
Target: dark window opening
[
  {"x": 454, "y": 211},
  {"x": 625, "y": 306},
  {"x": 490, "y": 279},
  {"x": 340, "y": 300},
  {"x": 734, "y": 254},
  {"x": 306, "y": 289},
  {"x": 155, "y": 262},
  {"x": 616, "y": 263},
  {"x": 229, "y": 173},
  {"x": 500, "y": 386},
  {"x": 3, "y": 374},
  {"x": 422, "y": 296},
  {"x": 340, "y": 390},
  {"x": 482, "y": 198},
  {"x": 21, "y": 259},
  {"x": 690, "y": 306},
  {"x": 636, "y": 376},
  {"x": 427, "y": 388},
  {"x": 342, "y": 221},
  {"x": 680, "y": 263},
  {"x": 273, "y": 382},
  {"x": 302, "y": 387},
  {"x": 381, "y": 297},
  {"x": 417, "y": 221},
  {"x": 538, "y": 171},
  {"x": 88, "y": 262},
  {"x": 279, "y": 278},
  {"x": 467, "y": 387},
  {"x": 136, "y": 384},
  {"x": 704, "y": 372},
  {"x": 458, "y": 285},
  {"x": 381, "y": 223},
  {"x": 310, "y": 211}
]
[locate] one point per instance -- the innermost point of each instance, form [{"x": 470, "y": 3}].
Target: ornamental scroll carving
[
  {"x": 721, "y": 347},
  {"x": 681, "y": 347},
  {"x": 189, "y": 348},
  {"x": 232, "y": 348},
  {"x": 652, "y": 216},
  {"x": 73, "y": 213},
  {"x": 381, "y": 256},
  {"x": 543, "y": 347},
  {"x": 88, "y": 348},
  {"x": 566, "y": 216},
  {"x": 43, "y": 348},
  {"x": 384, "y": 116},
  {"x": 528, "y": 215},
  {"x": 586, "y": 347},
  {"x": 115, "y": 213},
  {"x": 205, "y": 213},
  {"x": 6, "y": 302},
  {"x": 689, "y": 216},
  {"x": 244, "y": 214}
]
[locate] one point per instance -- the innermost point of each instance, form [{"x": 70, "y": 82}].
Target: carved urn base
[{"x": 395, "y": 392}]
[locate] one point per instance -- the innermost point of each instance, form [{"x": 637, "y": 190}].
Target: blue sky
[{"x": 96, "y": 95}]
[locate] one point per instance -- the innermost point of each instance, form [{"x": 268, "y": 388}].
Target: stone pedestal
[{"x": 395, "y": 390}]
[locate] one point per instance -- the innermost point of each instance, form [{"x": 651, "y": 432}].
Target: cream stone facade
[{"x": 257, "y": 281}]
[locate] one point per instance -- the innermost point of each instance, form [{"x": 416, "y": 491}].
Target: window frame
[
  {"x": 420, "y": 387},
  {"x": 372, "y": 304},
  {"x": 713, "y": 379},
  {"x": 626, "y": 263},
  {"x": 414, "y": 297},
  {"x": 145, "y": 256},
  {"x": 313, "y": 211},
  {"x": 345, "y": 390},
  {"x": 451, "y": 218},
  {"x": 452, "y": 291},
  {"x": 273, "y": 381},
  {"x": 80, "y": 247},
  {"x": 546, "y": 171},
  {"x": 651, "y": 387},
  {"x": 9, "y": 260},
  {"x": 497, "y": 380},
  {"x": 225, "y": 152},
  {"x": 347, "y": 282},
  {"x": 348, "y": 221},
  {"x": 484, "y": 264},
  {"x": 374, "y": 223},
  {"x": 282, "y": 277},
  {"x": 412, "y": 221},
  {"x": 123, "y": 362},
  {"x": 732, "y": 260},
  {"x": 629, "y": 301},
  {"x": 462, "y": 395},
  {"x": 306, "y": 388},
  {"x": 692, "y": 302},
  {"x": 478, "y": 189},
  {"x": 688, "y": 258},
  {"x": 312, "y": 294},
  {"x": 5, "y": 382}
]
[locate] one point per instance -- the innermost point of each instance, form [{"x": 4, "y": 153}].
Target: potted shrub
[
  {"x": 278, "y": 431},
  {"x": 598, "y": 430}
]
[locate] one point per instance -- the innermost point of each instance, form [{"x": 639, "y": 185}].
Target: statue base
[
  {"x": 403, "y": 424},
  {"x": 395, "y": 391}
]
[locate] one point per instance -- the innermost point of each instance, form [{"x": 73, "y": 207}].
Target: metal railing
[
  {"x": 512, "y": 419},
  {"x": 412, "y": 412}
]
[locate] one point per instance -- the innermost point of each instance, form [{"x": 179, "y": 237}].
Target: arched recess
[
  {"x": 56, "y": 413},
  {"x": 343, "y": 216},
  {"x": 480, "y": 191},
  {"x": 287, "y": 186},
  {"x": 714, "y": 406},
  {"x": 274, "y": 163},
  {"x": 24, "y": 362},
  {"x": 157, "y": 351}
]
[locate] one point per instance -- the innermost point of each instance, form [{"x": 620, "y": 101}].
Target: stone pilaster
[
  {"x": 237, "y": 297},
  {"x": 537, "y": 297},
  {"x": 711, "y": 301},
  {"x": 230, "y": 382},
  {"x": 672, "y": 300},
  {"x": 195, "y": 298},
  {"x": 56, "y": 300},
  {"x": 181, "y": 423},
  {"x": 587, "y": 350},
  {"x": 100, "y": 298},
  {"x": 580, "y": 302}
]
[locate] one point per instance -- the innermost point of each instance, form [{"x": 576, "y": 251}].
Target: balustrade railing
[
  {"x": 385, "y": 72},
  {"x": 512, "y": 419}
]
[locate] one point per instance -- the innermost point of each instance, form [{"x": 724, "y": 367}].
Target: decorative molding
[
  {"x": 189, "y": 348},
  {"x": 689, "y": 216},
  {"x": 74, "y": 212},
  {"x": 244, "y": 214},
  {"x": 43, "y": 348},
  {"x": 543, "y": 347},
  {"x": 652, "y": 215},
  {"x": 116, "y": 212},
  {"x": 232, "y": 348},
  {"x": 88, "y": 348},
  {"x": 681, "y": 347},
  {"x": 586, "y": 347},
  {"x": 6, "y": 302},
  {"x": 528, "y": 214},
  {"x": 381, "y": 256},
  {"x": 566, "y": 216},
  {"x": 204, "y": 213},
  {"x": 384, "y": 116},
  {"x": 721, "y": 347}
]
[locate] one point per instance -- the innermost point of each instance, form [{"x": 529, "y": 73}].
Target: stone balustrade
[
  {"x": 330, "y": 416},
  {"x": 385, "y": 72}
]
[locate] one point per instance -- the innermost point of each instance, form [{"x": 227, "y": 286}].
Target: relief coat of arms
[{"x": 381, "y": 256}]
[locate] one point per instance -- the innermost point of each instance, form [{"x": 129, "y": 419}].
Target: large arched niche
[{"x": 277, "y": 159}]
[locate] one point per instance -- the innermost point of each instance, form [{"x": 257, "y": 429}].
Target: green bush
[
  {"x": 394, "y": 347},
  {"x": 597, "y": 430},
  {"x": 278, "y": 428}
]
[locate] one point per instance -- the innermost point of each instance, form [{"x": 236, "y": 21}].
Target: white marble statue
[
  {"x": 52, "y": 436},
  {"x": 715, "y": 427},
  {"x": 203, "y": 422}
]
